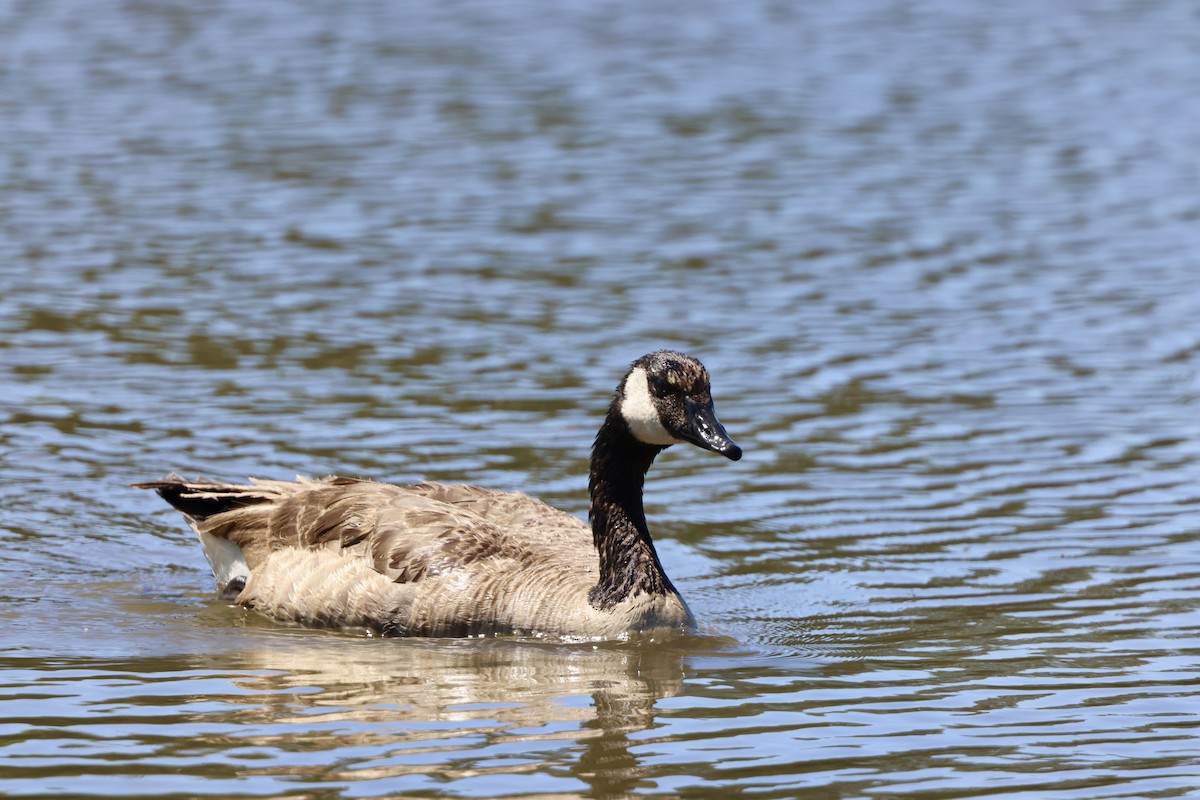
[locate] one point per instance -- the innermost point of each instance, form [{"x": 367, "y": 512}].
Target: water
[{"x": 940, "y": 259}]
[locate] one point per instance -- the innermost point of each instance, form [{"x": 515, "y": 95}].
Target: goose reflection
[{"x": 456, "y": 709}]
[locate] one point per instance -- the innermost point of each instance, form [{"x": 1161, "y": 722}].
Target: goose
[{"x": 433, "y": 559}]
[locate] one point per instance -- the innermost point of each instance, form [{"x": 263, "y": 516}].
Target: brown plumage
[{"x": 437, "y": 560}]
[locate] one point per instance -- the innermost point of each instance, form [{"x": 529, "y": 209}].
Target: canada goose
[{"x": 437, "y": 560}]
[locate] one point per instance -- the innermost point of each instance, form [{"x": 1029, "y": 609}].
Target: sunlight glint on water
[{"x": 940, "y": 261}]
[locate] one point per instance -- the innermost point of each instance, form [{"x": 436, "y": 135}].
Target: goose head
[{"x": 666, "y": 399}]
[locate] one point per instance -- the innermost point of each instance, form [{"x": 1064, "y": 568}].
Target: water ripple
[{"x": 939, "y": 262}]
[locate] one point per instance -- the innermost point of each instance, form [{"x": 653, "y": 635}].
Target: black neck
[{"x": 628, "y": 563}]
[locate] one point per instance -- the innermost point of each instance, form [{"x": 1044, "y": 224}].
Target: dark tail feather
[{"x": 183, "y": 495}]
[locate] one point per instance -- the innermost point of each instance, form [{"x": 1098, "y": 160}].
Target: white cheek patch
[{"x": 637, "y": 407}]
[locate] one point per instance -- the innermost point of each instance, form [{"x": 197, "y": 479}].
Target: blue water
[{"x": 940, "y": 259}]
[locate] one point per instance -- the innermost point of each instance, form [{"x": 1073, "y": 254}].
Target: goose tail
[{"x": 197, "y": 501}]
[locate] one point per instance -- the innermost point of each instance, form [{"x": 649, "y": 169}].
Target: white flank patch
[
  {"x": 225, "y": 558},
  {"x": 640, "y": 413}
]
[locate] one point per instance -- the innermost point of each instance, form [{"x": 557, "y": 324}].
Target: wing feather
[{"x": 406, "y": 533}]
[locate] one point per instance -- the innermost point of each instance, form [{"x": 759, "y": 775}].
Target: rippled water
[{"x": 941, "y": 259}]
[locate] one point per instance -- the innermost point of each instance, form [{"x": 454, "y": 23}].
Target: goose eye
[{"x": 659, "y": 387}]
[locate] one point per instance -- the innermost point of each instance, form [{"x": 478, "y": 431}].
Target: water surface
[{"x": 939, "y": 258}]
